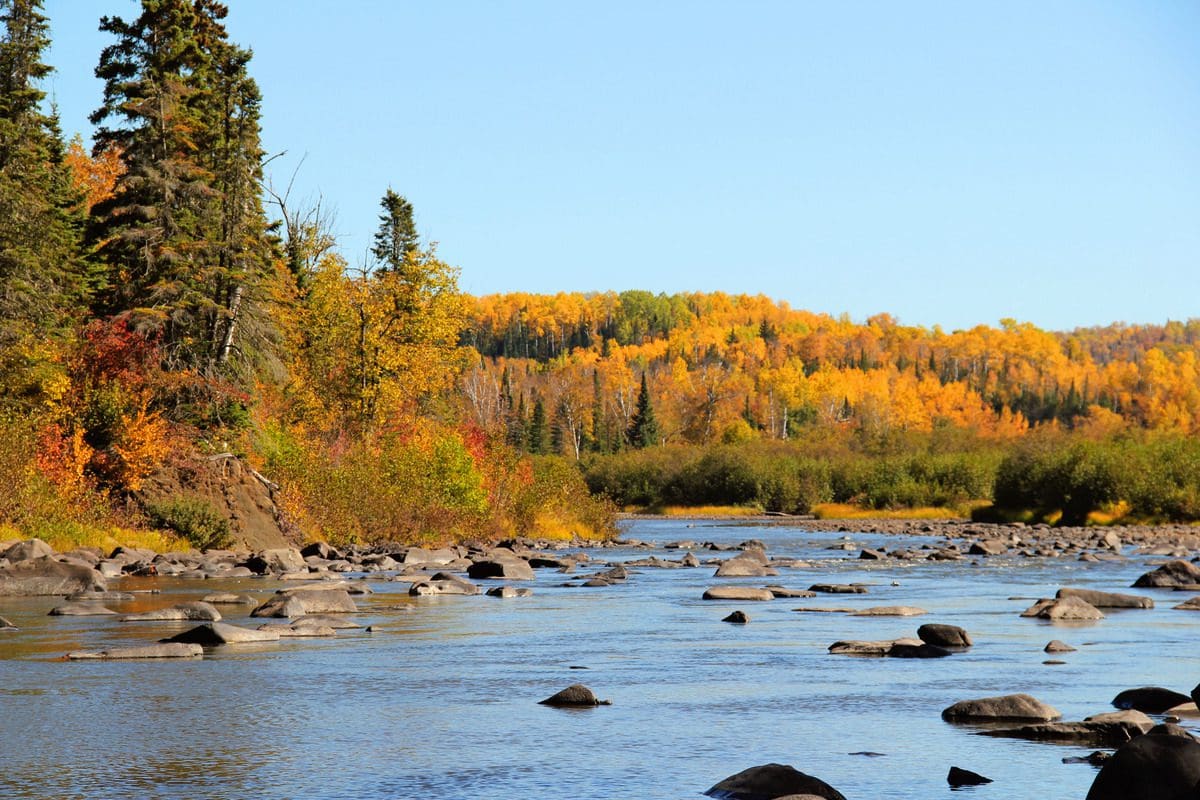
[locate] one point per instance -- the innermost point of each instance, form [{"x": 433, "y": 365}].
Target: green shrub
[{"x": 193, "y": 518}]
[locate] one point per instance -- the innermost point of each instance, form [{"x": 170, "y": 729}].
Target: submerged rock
[
  {"x": 192, "y": 612},
  {"x": 889, "y": 611},
  {"x": 737, "y": 617},
  {"x": 738, "y": 593},
  {"x": 81, "y": 610},
  {"x": 229, "y": 599},
  {"x": 574, "y": 696},
  {"x": 838, "y": 588},
  {"x": 772, "y": 781},
  {"x": 508, "y": 592}
]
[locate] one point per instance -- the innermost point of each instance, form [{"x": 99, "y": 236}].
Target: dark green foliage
[
  {"x": 396, "y": 238},
  {"x": 643, "y": 427},
  {"x": 193, "y": 518},
  {"x": 184, "y": 235},
  {"x": 538, "y": 442},
  {"x": 43, "y": 281}
]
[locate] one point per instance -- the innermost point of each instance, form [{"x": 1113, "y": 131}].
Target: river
[{"x": 440, "y": 700}]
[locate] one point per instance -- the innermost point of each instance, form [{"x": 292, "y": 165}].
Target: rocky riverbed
[{"x": 635, "y": 613}]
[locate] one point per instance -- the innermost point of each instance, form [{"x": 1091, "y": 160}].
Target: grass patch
[
  {"x": 67, "y": 536},
  {"x": 848, "y": 511},
  {"x": 704, "y": 511}
]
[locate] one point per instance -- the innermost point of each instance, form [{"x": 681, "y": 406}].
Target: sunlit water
[{"x": 441, "y": 700}]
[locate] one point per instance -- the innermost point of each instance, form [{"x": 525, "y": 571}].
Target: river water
[{"x": 440, "y": 701}]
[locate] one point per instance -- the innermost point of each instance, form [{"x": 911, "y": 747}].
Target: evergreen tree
[
  {"x": 538, "y": 437},
  {"x": 396, "y": 238},
  {"x": 42, "y": 275},
  {"x": 184, "y": 235},
  {"x": 643, "y": 427}
]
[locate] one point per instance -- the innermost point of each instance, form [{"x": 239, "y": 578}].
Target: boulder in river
[
  {"x": 508, "y": 592},
  {"x": 229, "y": 599},
  {"x": 1191, "y": 604},
  {"x": 212, "y": 634},
  {"x": 161, "y": 650},
  {"x": 965, "y": 777},
  {"x": 1065, "y": 609},
  {"x": 838, "y": 588},
  {"x": 1162, "y": 765},
  {"x": 746, "y": 593},
  {"x": 944, "y": 635},
  {"x": 196, "y": 611},
  {"x": 45, "y": 576},
  {"x": 1003, "y": 708},
  {"x": 1150, "y": 699},
  {"x": 772, "y": 781},
  {"x": 1106, "y": 599},
  {"x": 511, "y": 569},
  {"x": 1100, "y": 730},
  {"x": 744, "y": 566},
  {"x": 574, "y": 696},
  {"x": 889, "y": 611},
  {"x": 1056, "y": 646},
  {"x": 307, "y": 600},
  {"x": 1172, "y": 573},
  {"x": 737, "y": 618},
  {"x": 444, "y": 583}
]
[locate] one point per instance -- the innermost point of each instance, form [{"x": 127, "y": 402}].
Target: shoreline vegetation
[{"x": 187, "y": 357}]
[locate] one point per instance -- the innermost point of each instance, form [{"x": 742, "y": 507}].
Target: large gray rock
[
  {"x": 161, "y": 650},
  {"x": 1101, "y": 730},
  {"x": 574, "y": 696},
  {"x": 738, "y": 593},
  {"x": 1173, "y": 573},
  {"x": 45, "y": 576},
  {"x": 771, "y": 781},
  {"x": 307, "y": 600},
  {"x": 1162, "y": 765},
  {"x": 280, "y": 559},
  {"x": 1150, "y": 699},
  {"x": 26, "y": 550},
  {"x": 195, "y": 611},
  {"x": 212, "y": 634},
  {"x": 511, "y": 569},
  {"x": 1009, "y": 707},
  {"x": 944, "y": 635},
  {"x": 1106, "y": 599}
]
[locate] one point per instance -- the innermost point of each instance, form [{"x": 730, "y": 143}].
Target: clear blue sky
[{"x": 950, "y": 163}]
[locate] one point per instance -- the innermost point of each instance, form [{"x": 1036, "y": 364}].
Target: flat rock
[
  {"x": 889, "y": 611},
  {"x": 944, "y": 635},
  {"x": 782, "y": 591},
  {"x": 771, "y": 781},
  {"x": 212, "y": 634},
  {"x": 332, "y": 621},
  {"x": 298, "y": 630},
  {"x": 748, "y": 593},
  {"x": 838, "y": 588},
  {"x": 229, "y": 599},
  {"x": 1191, "y": 604},
  {"x": 1089, "y": 733},
  {"x": 161, "y": 650},
  {"x": 574, "y": 696},
  {"x": 744, "y": 567},
  {"x": 1003, "y": 708},
  {"x": 100, "y": 597},
  {"x": 81, "y": 610},
  {"x": 1106, "y": 599},
  {"x": 192, "y": 612}
]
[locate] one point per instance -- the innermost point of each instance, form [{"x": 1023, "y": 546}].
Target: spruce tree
[
  {"x": 396, "y": 238},
  {"x": 538, "y": 441},
  {"x": 43, "y": 281},
  {"x": 643, "y": 427},
  {"x": 184, "y": 235}
]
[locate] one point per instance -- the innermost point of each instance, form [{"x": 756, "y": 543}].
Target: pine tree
[
  {"x": 643, "y": 427},
  {"x": 538, "y": 440},
  {"x": 184, "y": 235},
  {"x": 43, "y": 281},
  {"x": 396, "y": 238}
]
